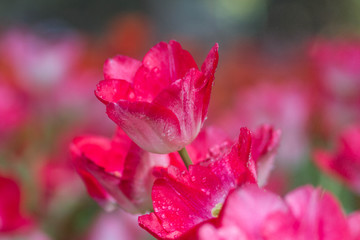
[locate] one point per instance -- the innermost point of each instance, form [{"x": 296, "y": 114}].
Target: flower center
[{"x": 216, "y": 210}]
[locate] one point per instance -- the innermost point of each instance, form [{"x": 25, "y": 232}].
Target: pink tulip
[
  {"x": 116, "y": 171},
  {"x": 254, "y": 214},
  {"x": 212, "y": 142},
  {"x": 184, "y": 199},
  {"x": 161, "y": 103},
  {"x": 344, "y": 163}
]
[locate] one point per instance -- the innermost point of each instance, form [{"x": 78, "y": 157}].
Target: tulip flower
[
  {"x": 184, "y": 199},
  {"x": 344, "y": 163},
  {"x": 161, "y": 103},
  {"x": 116, "y": 171},
  {"x": 212, "y": 142},
  {"x": 252, "y": 213}
]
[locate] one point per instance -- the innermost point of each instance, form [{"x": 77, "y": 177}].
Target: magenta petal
[
  {"x": 94, "y": 188},
  {"x": 181, "y": 200},
  {"x": 185, "y": 101},
  {"x": 152, "y": 224},
  {"x": 238, "y": 162},
  {"x": 112, "y": 90},
  {"x": 110, "y": 183},
  {"x": 208, "y": 68},
  {"x": 319, "y": 214},
  {"x": 80, "y": 161},
  {"x": 170, "y": 59},
  {"x": 154, "y": 128},
  {"x": 162, "y": 65},
  {"x": 11, "y": 214},
  {"x": 116, "y": 170},
  {"x": 211, "y": 62},
  {"x": 344, "y": 163},
  {"x": 257, "y": 206},
  {"x": 265, "y": 143},
  {"x": 121, "y": 67},
  {"x": 211, "y": 142}
]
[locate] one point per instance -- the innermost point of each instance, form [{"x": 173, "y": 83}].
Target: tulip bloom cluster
[{"x": 213, "y": 189}]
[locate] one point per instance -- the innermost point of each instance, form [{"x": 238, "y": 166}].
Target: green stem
[{"x": 185, "y": 157}]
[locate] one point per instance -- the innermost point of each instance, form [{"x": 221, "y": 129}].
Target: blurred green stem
[{"x": 331, "y": 185}]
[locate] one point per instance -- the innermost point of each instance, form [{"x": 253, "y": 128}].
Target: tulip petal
[
  {"x": 154, "y": 128},
  {"x": 116, "y": 170},
  {"x": 113, "y": 90},
  {"x": 185, "y": 101},
  {"x": 208, "y": 68},
  {"x": 11, "y": 215},
  {"x": 265, "y": 142},
  {"x": 211, "y": 62},
  {"x": 121, "y": 67},
  {"x": 320, "y": 216},
  {"x": 162, "y": 65},
  {"x": 257, "y": 204}
]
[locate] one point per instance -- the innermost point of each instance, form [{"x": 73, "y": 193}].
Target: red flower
[
  {"x": 183, "y": 199},
  {"x": 212, "y": 142},
  {"x": 305, "y": 213},
  {"x": 11, "y": 215},
  {"x": 161, "y": 102},
  {"x": 345, "y": 162},
  {"x": 116, "y": 170}
]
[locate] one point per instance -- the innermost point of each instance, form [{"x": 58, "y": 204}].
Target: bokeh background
[{"x": 294, "y": 64}]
